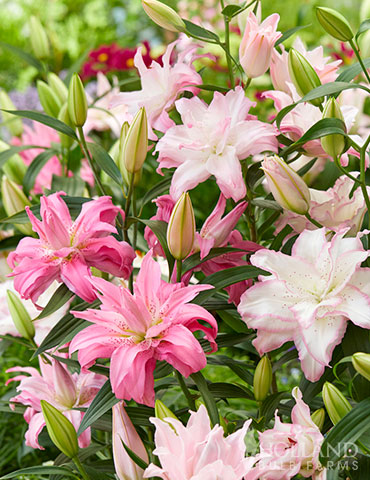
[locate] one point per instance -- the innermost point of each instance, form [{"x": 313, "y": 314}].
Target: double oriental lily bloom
[
  {"x": 65, "y": 249},
  {"x": 309, "y": 297},
  {"x": 136, "y": 330}
]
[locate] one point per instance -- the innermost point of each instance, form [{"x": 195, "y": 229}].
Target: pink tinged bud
[
  {"x": 77, "y": 102},
  {"x": 181, "y": 228},
  {"x": 65, "y": 390},
  {"x": 257, "y": 44},
  {"x": 124, "y": 431},
  {"x": 134, "y": 143},
  {"x": 287, "y": 187},
  {"x": 361, "y": 363},
  {"x": 163, "y": 15},
  {"x": 162, "y": 412},
  {"x": 60, "y": 430},
  {"x": 20, "y": 316}
]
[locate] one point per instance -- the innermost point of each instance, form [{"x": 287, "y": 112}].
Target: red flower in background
[{"x": 108, "y": 58}]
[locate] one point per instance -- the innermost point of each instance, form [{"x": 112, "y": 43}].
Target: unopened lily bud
[
  {"x": 48, "y": 99},
  {"x": 39, "y": 39},
  {"x": 334, "y": 24},
  {"x": 14, "y": 168},
  {"x": 164, "y": 16},
  {"x": 287, "y": 187},
  {"x": 335, "y": 144},
  {"x": 318, "y": 417},
  {"x": 335, "y": 402},
  {"x": 20, "y": 316},
  {"x": 181, "y": 228},
  {"x": 65, "y": 140},
  {"x": 60, "y": 429},
  {"x": 124, "y": 432},
  {"x": 77, "y": 102},
  {"x": 361, "y": 363},
  {"x": 116, "y": 152},
  {"x": 162, "y": 412},
  {"x": 134, "y": 143},
  {"x": 262, "y": 379},
  {"x": 14, "y": 201},
  {"x": 58, "y": 87},
  {"x": 14, "y": 124},
  {"x": 303, "y": 75}
]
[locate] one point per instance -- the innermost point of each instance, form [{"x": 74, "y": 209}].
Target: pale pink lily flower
[
  {"x": 290, "y": 449},
  {"x": 197, "y": 452},
  {"x": 63, "y": 390},
  {"x": 100, "y": 116},
  {"x": 303, "y": 117},
  {"x": 136, "y": 330},
  {"x": 42, "y": 326},
  {"x": 67, "y": 249},
  {"x": 333, "y": 208},
  {"x": 212, "y": 141},
  {"x": 325, "y": 69},
  {"x": 160, "y": 87},
  {"x": 124, "y": 431},
  {"x": 43, "y": 136},
  {"x": 257, "y": 44},
  {"x": 311, "y": 293}
]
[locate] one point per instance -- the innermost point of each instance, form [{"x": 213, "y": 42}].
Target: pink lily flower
[
  {"x": 257, "y": 44},
  {"x": 65, "y": 249},
  {"x": 212, "y": 141},
  {"x": 197, "y": 452},
  {"x": 160, "y": 86},
  {"x": 136, "y": 330},
  {"x": 290, "y": 449},
  {"x": 124, "y": 431},
  {"x": 63, "y": 390},
  {"x": 312, "y": 294}
]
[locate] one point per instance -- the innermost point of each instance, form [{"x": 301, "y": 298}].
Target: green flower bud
[
  {"x": 14, "y": 168},
  {"x": 134, "y": 143},
  {"x": 39, "y": 39},
  {"x": 77, "y": 102},
  {"x": 335, "y": 402},
  {"x": 181, "y": 228},
  {"x": 14, "y": 201},
  {"x": 361, "y": 363},
  {"x": 164, "y": 16},
  {"x": 60, "y": 430},
  {"x": 63, "y": 116},
  {"x": 20, "y": 316},
  {"x": 14, "y": 124},
  {"x": 162, "y": 412},
  {"x": 49, "y": 101},
  {"x": 334, "y": 24},
  {"x": 318, "y": 417},
  {"x": 58, "y": 87},
  {"x": 333, "y": 145},
  {"x": 262, "y": 379},
  {"x": 303, "y": 75}
]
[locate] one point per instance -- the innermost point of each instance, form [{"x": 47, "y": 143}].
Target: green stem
[
  {"x": 186, "y": 391},
  {"x": 363, "y": 179},
  {"x": 344, "y": 171},
  {"x": 86, "y": 152},
  {"x": 80, "y": 468},
  {"x": 208, "y": 398},
  {"x": 178, "y": 270},
  {"x": 247, "y": 83},
  {"x": 317, "y": 224},
  {"x": 227, "y": 52},
  {"x": 127, "y": 206},
  {"x": 357, "y": 53},
  {"x": 134, "y": 239}
]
